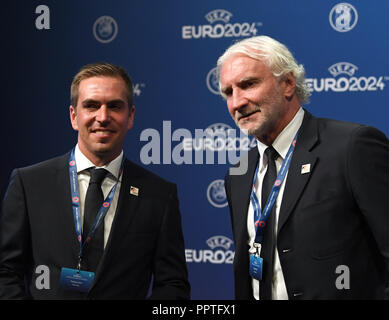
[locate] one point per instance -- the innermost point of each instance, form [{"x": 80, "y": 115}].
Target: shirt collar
[
  {"x": 84, "y": 163},
  {"x": 283, "y": 141}
]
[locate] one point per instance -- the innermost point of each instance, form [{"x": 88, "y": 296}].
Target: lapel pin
[
  {"x": 134, "y": 191},
  {"x": 305, "y": 168}
]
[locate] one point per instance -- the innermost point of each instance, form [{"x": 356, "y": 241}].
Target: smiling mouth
[{"x": 102, "y": 133}]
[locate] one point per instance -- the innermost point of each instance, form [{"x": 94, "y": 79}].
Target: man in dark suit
[
  {"x": 91, "y": 224},
  {"x": 310, "y": 216}
]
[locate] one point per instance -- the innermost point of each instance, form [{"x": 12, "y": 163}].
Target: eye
[
  {"x": 227, "y": 92},
  {"x": 247, "y": 84},
  {"x": 114, "y": 106},
  {"x": 91, "y": 106}
]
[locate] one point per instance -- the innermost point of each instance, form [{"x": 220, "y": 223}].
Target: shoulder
[
  {"x": 325, "y": 125},
  {"x": 338, "y": 125},
  {"x": 38, "y": 174},
  {"x": 349, "y": 130},
  {"x": 340, "y": 131},
  {"x": 44, "y": 166}
]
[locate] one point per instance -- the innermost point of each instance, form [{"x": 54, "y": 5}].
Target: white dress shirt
[
  {"x": 83, "y": 164},
  {"x": 281, "y": 144}
]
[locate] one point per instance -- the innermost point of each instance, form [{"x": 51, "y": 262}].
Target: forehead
[
  {"x": 103, "y": 85},
  {"x": 240, "y": 66}
]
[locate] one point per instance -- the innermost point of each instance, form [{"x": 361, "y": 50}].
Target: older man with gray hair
[{"x": 310, "y": 215}]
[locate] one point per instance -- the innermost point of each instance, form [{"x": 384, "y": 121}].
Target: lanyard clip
[{"x": 258, "y": 247}]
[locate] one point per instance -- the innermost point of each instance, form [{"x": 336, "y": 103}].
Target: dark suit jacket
[
  {"x": 145, "y": 242},
  {"x": 337, "y": 214}
]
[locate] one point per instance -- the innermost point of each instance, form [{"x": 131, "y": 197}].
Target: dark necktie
[
  {"x": 93, "y": 201},
  {"x": 268, "y": 239}
]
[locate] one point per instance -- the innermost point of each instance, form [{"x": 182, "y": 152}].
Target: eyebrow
[
  {"x": 246, "y": 79},
  {"x": 117, "y": 102},
  {"x": 91, "y": 101},
  {"x": 241, "y": 82}
]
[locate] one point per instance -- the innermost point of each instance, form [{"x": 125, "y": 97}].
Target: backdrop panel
[{"x": 170, "y": 49}]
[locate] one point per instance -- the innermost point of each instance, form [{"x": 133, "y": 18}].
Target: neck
[
  {"x": 99, "y": 159},
  {"x": 269, "y": 137}
]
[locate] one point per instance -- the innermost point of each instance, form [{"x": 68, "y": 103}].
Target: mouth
[
  {"x": 103, "y": 133},
  {"x": 245, "y": 117}
]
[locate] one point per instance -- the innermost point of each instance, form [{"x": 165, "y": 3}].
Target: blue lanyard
[
  {"x": 260, "y": 217},
  {"x": 77, "y": 209}
]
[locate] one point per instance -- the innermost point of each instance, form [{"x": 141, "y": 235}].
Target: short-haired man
[
  {"x": 91, "y": 224},
  {"x": 310, "y": 216}
]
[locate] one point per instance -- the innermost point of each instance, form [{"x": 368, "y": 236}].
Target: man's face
[
  {"x": 102, "y": 118},
  {"x": 255, "y": 98}
]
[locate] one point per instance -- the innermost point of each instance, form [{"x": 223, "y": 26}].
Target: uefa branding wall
[{"x": 182, "y": 129}]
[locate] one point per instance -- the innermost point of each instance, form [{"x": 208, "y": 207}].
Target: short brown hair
[{"x": 96, "y": 70}]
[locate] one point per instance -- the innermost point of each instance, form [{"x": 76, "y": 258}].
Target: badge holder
[
  {"x": 76, "y": 279},
  {"x": 256, "y": 263}
]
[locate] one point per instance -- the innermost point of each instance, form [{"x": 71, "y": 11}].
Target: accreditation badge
[
  {"x": 76, "y": 280},
  {"x": 256, "y": 263}
]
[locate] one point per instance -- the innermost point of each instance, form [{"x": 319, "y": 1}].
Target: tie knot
[
  {"x": 271, "y": 153},
  {"x": 97, "y": 175}
]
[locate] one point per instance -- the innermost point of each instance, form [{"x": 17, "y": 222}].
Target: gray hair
[{"x": 273, "y": 54}]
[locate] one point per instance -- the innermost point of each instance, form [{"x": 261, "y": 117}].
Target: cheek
[
  {"x": 84, "y": 122},
  {"x": 258, "y": 96},
  {"x": 124, "y": 123}
]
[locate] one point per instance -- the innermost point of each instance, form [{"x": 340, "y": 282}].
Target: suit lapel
[
  {"x": 241, "y": 186},
  {"x": 296, "y": 179},
  {"x": 63, "y": 202},
  {"x": 125, "y": 212}
]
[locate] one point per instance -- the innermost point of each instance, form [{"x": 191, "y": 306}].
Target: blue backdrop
[{"x": 170, "y": 49}]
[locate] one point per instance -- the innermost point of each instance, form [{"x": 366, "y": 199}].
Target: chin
[
  {"x": 248, "y": 129},
  {"x": 103, "y": 149}
]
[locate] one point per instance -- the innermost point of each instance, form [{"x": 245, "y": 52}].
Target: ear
[
  {"x": 73, "y": 117},
  {"x": 290, "y": 86},
  {"x": 131, "y": 118}
]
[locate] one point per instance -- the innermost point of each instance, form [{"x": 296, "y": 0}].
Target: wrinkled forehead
[{"x": 239, "y": 66}]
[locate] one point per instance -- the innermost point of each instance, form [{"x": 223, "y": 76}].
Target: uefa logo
[
  {"x": 105, "y": 29},
  {"x": 216, "y": 194},
  {"x": 217, "y": 130},
  {"x": 218, "y": 15},
  {"x": 345, "y": 78},
  {"x": 343, "y": 17},
  {"x": 220, "y": 26},
  {"x": 213, "y": 81},
  {"x": 343, "y": 68},
  {"x": 219, "y": 252},
  {"x": 219, "y": 241}
]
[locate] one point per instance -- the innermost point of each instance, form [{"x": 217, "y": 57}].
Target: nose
[
  {"x": 238, "y": 99},
  {"x": 102, "y": 114}
]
